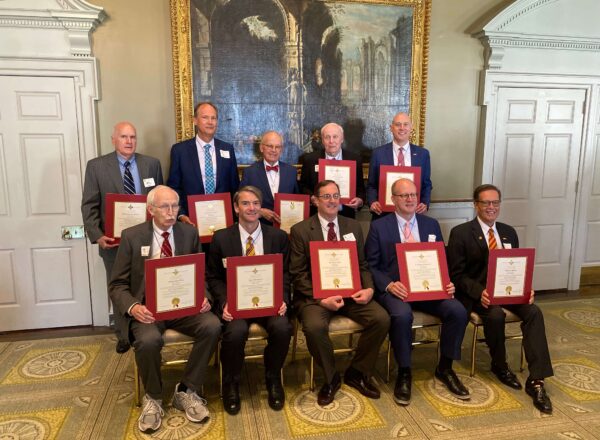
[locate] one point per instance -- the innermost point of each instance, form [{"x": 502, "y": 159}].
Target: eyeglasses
[
  {"x": 272, "y": 147},
  {"x": 329, "y": 196},
  {"x": 166, "y": 208},
  {"x": 406, "y": 196},
  {"x": 486, "y": 203}
]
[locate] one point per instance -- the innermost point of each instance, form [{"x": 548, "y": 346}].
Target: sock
[{"x": 182, "y": 387}]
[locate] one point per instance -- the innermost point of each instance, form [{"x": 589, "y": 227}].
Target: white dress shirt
[
  {"x": 405, "y": 151},
  {"x": 485, "y": 229},
  {"x": 257, "y": 240},
  {"x": 325, "y": 227},
  {"x": 273, "y": 177},
  {"x": 414, "y": 227}
]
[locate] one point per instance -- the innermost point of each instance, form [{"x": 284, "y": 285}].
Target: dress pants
[
  {"x": 315, "y": 325},
  {"x": 205, "y": 328},
  {"x": 235, "y": 335},
  {"x": 450, "y": 311},
  {"x": 535, "y": 344},
  {"x": 108, "y": 257}
]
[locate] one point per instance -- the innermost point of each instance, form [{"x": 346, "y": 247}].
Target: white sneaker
[
  {"x": 193, "y": 405},
  {"x": 151, "y": 416}
]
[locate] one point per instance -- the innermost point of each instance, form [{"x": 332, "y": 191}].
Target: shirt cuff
[{"x": 131, "y": 307}]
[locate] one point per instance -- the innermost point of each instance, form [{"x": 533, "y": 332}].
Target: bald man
[{"x": 122, "y": 171}]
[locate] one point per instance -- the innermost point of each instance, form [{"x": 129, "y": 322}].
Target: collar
[
  {"x": 405, "y": 147},
  {"x": 159, "y": 231},
  {"x": 325, "y": 223},
  {"x": 485, "y": 227},
  {"x": 244, "y": 234},
  {"x": 267, "y": 164},
  {"x": 338, "y": 156},
  {"x": 402, "y": 221},
  {"x": 201, "y": 143},
  {"x": 122, "y": 160}
]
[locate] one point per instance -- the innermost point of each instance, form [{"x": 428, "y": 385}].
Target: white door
[
  {"x": 536, "y": 160},
  {"x": 44, "y": 279}
]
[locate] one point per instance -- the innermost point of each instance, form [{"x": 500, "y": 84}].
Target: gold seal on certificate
[
  {"x": 210, "y": 216},
  {"x": 175, "y": 287},
  {"x": 255, "y": 286},
  {"x": 424, "y": 271}
]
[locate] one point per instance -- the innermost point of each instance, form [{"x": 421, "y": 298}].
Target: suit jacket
[
  {"x": 309, "y": 177},
  {"x": 128, "y": 281},
  {"x": 310, "y": 230},
  {"x": 256, "y": 175},
  {"x": 384, "y": 155},
  {"x": 381, "y": 246},
  {"x": 227, "y": 243},
  {"x": 102, "y": 176},
  {"x": 468, "y": 258},
  {"x": 185, "y": 176}
]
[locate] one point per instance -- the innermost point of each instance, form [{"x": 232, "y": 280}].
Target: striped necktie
[
  {"x": 128, "y": 184},
  {"x": 331, "y": 235},
  {"x": 250, "y": 247},
  {"x": 492, "y": 244},
  {"x": 209, "y": 173},
  {"x": 166, "y": 250}
]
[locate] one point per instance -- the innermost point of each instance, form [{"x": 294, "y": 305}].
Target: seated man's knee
[
  {"x": 148, "y": 340},
  {"x": 496, "y": 316}
]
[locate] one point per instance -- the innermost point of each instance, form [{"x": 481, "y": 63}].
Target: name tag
[
  {"x": 149, "y": 182},
  {"x": 431, "y": 238},
  {"x": 145, "y": 251},
  {"x": 316, "y": 168},
  {"x": 225, "y": 263},
  {"x": 349, "y": 237},
  {"x": 507, "y": 245},
  {"x": 224, "y": 154}
]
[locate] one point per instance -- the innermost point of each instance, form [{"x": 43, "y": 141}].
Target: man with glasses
[
  {"x": 271, "y": 176},
  {"x": 122, "y": 172},
  {"x": 315, "y": 314},
  {"x": 405, "y": 226},
  {"x": 161, "y": 237},
  {"x": 468, "y": 252}
]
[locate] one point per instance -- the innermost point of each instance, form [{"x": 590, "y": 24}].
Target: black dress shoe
[
  {"x": 402, "y": 388},
  {"x": 535, "y": 388},
  {"x": 122, "y": 346},
  {"x": 328, "y": 390},
  {"x": 362, "y": 383},
  {"x": 507, "y": 377},
  {"x": 276, "y": 394},
  {"x": 453, "y": 383},
  {"x": 231, "y": 398}
]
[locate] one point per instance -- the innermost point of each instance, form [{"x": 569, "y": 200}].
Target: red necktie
[
  {"x": 273, "y": 168},
  {"x": 400, "y": 157},
  {"x": 492, "y": 244},
  {"x": 331, "y": 235},
  {"x": 165, "y": 249}
]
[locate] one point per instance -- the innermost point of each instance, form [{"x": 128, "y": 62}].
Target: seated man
[
  {"x": 161, "y": 237},
  {"x": 316, "y": 314},
  {"x": 249, "y": 237},
  {"x": 468, "y": 252},
  {"x": 406, "y": 226}
]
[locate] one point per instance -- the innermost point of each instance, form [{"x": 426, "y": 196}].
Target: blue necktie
[
  {"x": 128, "y": 184},
  {"x": 209, "y": 173}
]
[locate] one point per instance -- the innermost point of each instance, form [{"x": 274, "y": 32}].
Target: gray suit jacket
[
  {"x": 128, "y": 281},
  {"x": 102, "y": 176},
  {"x": 310, "y": 230}
]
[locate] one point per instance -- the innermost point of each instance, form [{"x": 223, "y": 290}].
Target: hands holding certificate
[
  {"x": 400, "y": 291},
  {"x": 269, "y": 215},
  {"x": 140, "y": 313},
  {"x": 485, "y": 298},
  {"x": 336, "y": 302},
  {"x": 229, "y": 317}
]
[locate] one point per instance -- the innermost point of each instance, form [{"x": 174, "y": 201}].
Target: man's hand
[
  {"x": 142, "y": 314},
  {"x": 333, "y": 303},
  {"x": 226, "y": 315},
  {"x": 531, "y": 298},
  {"x": 363, "y": 296},
  {"x": 185, "y": 219},
  {"x": 106, "y": 242},
  {"x": 485, "y": 298},
  {"x": 269, "y": 215},
  {"x": 376, "y": 207},
  {"x": 397, "y": 289},
  {"x": 205, "y": 306},
  {"x": 355, "y": 203},
  {"x": 450, "y": 289},
  {"x": 282, "y": 309},
  {"x": 421, "y": 208}
]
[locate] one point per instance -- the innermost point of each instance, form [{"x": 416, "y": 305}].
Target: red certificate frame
[
  {"x": 318, "y": 290},
  {"x": 257, "y": 260},
  {"x": 152, "y": 266},
  {"x": 414, "y": 294},
  {"x": 109, "y": 211},
  {"x": 340, "y": 163},
  {"x": 280, "y": 197},
  {"x": 384, "y": 170},
  {"x": 495, "y": 254},
  {"x": 224, "y": 197}
]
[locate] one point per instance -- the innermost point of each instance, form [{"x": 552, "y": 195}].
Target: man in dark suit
[
  {"x": 468, "y": 252},
  {"x": 315, "y": 314},
  {"x": 271, "y": 175},
  {"x": 249, "y": 237},
  {"x": 204, "y": 164},
  {"x": 161, "y": 237},
  {"x": 122, "y": 172},
  {"x": 399, "y": 152},
  {"x": 332, "y": 137},
  {"x": 406, "y": 226}
]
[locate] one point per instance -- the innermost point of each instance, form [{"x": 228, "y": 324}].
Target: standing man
[
  {"x": 315, "y": 314},
  {"x": 271, "y": 176},
  {"x": 122, "y": 172},
  {"x": 203, "y": 165},
  {"x": 161, "y": 237},
  {"x": 249, "y": 237},
  {"x": 405, "y": 226},
  {"x": 399, "y": 152},
  {"x": 332, "y": 137},
  {"x": 468, "y": 252}
]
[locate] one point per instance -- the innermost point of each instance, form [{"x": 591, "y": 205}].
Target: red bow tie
[{"x": 273, "y": 168}]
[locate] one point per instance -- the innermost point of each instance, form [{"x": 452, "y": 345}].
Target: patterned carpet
[{"x": 79, "y": 388}]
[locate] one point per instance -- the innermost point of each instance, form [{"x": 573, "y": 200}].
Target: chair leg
[
  {"x": 522, "y": 357},
  {"x": 389, "y": 360},
  {"x": 136, "y": 380},
  {"x": 295, "y": 340},
  {"x": 220, "y": 369},
  {"x": 473, "y": 347},
  {"x": 312, "y": 374}
]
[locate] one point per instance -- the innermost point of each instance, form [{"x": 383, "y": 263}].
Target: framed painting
[{"x": 294, "y": 65}]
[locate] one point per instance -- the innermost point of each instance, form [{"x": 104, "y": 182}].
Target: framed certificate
[
  {"x": 254, "y": 285},
  {"x": 510, "y": 274},
  {"x": 123, "y": 211},
  {"x": 423, "y": 270},
  {"x": 292, "y": 209},
  {"x": 342, "y": 172},
  {"x": 388, "y": 174},
  {"x": 175, "y": 286},
  {"x": 210, "y": 212},
  {"x": 334, "y": 268}
]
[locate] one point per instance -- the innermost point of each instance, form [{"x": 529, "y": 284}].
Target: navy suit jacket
[
  {"x": 380, "y": 247},
  {"x": 384, "y": 155},
  {"x": 185, "y": 176},
  {"x": 256, "y": 175}
]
